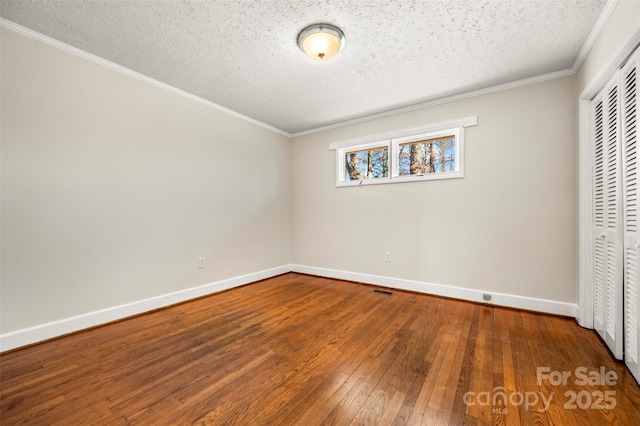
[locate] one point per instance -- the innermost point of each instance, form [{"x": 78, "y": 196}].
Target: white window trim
[{"x": 392, "y": 140}]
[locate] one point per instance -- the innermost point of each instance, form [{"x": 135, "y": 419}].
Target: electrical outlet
[
  {"x": 201, "y": 262},
  {"x": 387, "y": 256}
]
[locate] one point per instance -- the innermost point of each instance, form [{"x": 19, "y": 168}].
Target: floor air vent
[{"x": 388, "y": 293}]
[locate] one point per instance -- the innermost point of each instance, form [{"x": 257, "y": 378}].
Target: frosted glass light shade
[{"x": 321, "y": 41}]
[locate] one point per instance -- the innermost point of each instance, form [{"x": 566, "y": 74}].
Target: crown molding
[
  {"x": 439, "y": 101},
  {"x": 128, "y": 72},
  {"x": 608, "y": 9},
  {"x": 602, "y": 20}
]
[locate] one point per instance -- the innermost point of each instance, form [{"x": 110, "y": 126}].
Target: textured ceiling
[{"x": 243, "y": 54}]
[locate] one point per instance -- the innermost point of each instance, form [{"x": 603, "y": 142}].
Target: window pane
[
  {"x": 428, "y": 156},
  {"x": 367, "y": 164}
]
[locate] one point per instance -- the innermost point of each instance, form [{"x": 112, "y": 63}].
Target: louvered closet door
[
  {"x": 599, "y": 215},
  {"x": 608, "y": 273},
  {"x": 629, "y": 107}
]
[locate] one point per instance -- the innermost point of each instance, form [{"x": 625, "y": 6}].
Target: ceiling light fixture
[{"x": 321, "y": 41}]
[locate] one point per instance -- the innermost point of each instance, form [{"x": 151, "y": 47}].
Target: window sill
[{"x": 400, "y": 179}]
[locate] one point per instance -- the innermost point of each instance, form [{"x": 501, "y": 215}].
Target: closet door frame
[{"x": 629, "y": 42}]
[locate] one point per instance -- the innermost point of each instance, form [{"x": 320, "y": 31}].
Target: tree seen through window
[
  {"x": 436, "y": 155},
  {"x": 367, "y": 164}
]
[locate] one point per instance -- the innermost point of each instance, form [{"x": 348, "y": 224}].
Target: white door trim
[{"x": 585, "y": 175}]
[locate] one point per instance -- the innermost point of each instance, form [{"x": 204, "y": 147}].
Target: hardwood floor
[{"x": 298, "y": 349}]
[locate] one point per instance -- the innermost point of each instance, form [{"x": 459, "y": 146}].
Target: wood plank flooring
[{"x": 303, "y": 350}]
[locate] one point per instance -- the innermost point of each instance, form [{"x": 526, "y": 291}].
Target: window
[
  {"x": 431, "y": 152},
  {"x": 366, "y": 163}
]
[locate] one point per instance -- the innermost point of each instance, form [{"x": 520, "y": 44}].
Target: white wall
[
  {"x": 112, "y": 188},
  {"x": 508, "y": 226}
]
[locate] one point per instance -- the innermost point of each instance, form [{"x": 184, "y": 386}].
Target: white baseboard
[
  {"x": 499, "y": 299},
  {"x": 39, "y": 333}
]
